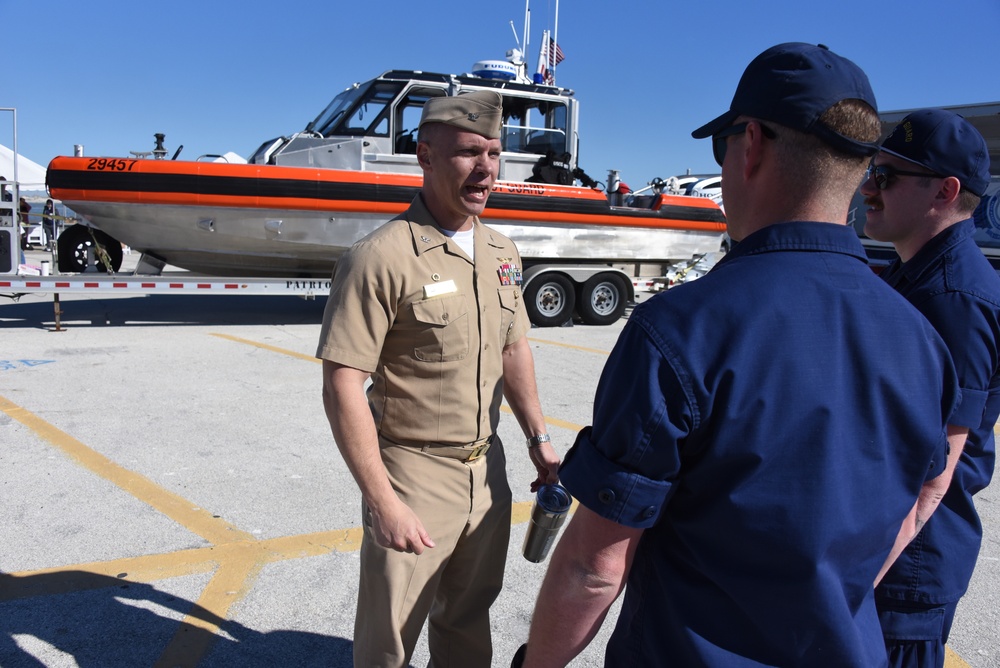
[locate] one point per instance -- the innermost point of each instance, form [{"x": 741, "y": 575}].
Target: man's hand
[
  {"x": 546, "y": 462},
  {"x": 398, "y": 528},
  {"x": 522, "y": 394},
  {"x": 394, "y": 524}
]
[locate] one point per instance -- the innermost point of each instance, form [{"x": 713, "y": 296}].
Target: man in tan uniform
[{"x": 430, "y": 307}]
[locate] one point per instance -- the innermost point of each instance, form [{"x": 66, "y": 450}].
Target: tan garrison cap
[{"x": 478, "y": 112}]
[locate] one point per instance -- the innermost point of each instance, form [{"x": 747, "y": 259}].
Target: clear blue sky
[{"x": 224, "y": 75}]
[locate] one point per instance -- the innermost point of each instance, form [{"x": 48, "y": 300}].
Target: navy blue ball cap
[
  {"x": 944, "y": 143},
  {"x": 794, "y": 84}
]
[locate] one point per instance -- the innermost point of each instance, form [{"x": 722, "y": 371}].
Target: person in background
[
  {"x": 23, "y": 210},
  {"x": 921, "y": 191},
  {"x": 7, "y": 196},
  {"x": 49, "y": 223},
  {"x": 429, "y": 306},
  {"x": 761, "y": 435}
]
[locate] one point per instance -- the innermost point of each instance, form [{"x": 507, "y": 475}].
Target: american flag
[
  {"x": 555, "y": 54},
  {"x": 547, "y": 77},
  {"x": 549, "y": 55}
]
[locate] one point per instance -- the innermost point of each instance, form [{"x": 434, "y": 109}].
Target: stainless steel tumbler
[{"x": 552, "y": 502}]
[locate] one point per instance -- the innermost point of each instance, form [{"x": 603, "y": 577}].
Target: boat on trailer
[{"x": 301, "y": 201}]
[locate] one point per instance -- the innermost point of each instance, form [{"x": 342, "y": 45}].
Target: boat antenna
[
  {"x": 527, "y": 32},
  {"x": 554, "y": 45},
  {"x": 514, "y": 30}
]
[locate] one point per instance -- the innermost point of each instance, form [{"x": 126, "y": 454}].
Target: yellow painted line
[
  {"x": 196, "y": 634},
  {"x": 182, "y": 511},
  {"x": 238, "y": 565},
  {"x": 273, "y": 349},
  {"x": 314, "y": 544},
  {"x": 194, "y": 561},
  {"x": 521, "y": 511},
  {"x": 97, "y": 575},
  {"x": 570, "y": 346},
  {"x": 953, "y": 660},
  {"x": 555, "y": 422},
  {"x": 314, "y": 359},
  {"x": 150, "y": 568},
  {"x": 232, "y": 579},
  {"x": 236, "y": 558}
]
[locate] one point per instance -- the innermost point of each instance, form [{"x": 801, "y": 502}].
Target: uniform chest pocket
[
  {"x": 442, "y": 332},
  {"x": 510, "y": 295}
]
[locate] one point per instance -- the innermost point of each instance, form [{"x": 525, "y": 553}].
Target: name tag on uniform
[{"x": 440, "y": 288}]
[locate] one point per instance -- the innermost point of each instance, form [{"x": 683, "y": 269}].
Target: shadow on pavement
[{"x": 105, "y": 622}]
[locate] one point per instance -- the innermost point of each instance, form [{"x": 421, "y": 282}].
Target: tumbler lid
[{"x": 554, "y": 498}]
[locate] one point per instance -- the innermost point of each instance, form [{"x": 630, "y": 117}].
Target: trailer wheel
[
  {"x": 603, "y": 299},
  {"x": 75, "y": 241},
  {"x": 550, "y": 300}
]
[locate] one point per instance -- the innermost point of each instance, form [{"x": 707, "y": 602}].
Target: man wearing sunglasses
[
  {"x": 760, "y": 434},
  {"x": 921, "y": 191}
]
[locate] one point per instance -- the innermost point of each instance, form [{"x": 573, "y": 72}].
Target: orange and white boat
[{"x": 300, "y": 201}]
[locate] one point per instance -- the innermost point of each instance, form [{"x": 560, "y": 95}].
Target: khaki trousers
[{"x": 465, "y": 507}]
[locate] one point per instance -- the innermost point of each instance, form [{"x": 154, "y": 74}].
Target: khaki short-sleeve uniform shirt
[{"x": 408, "y": 305}]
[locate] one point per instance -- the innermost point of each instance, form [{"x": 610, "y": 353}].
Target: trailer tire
[
  {"x": 74, "y": 243},
  {"x": 550, "y": 300},
  {"x": 603, "y": 299}
]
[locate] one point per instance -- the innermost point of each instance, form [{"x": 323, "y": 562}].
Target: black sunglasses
[
  {"x": 885, "y": 174},
  {"x": 719, "y": 144}
]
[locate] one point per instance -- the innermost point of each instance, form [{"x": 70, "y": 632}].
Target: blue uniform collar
[
  {"x": 800, "y": 236},
  {"x": 944, "y": 241}
]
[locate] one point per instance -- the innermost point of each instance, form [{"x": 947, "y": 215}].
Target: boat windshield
[
  {"x": 359, "y": 110},
  {"x": 534, "y": 126},
  {"x": 337, "y": 107}
]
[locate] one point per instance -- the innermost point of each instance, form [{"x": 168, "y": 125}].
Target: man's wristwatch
[{"x": 535, "y": 441}]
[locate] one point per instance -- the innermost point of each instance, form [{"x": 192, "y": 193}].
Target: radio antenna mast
[
  {"x": 554, "y": 44},
  {"x": 527, "y": 33}
]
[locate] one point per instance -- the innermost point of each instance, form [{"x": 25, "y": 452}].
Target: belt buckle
[{"x": 479, "y": 451}]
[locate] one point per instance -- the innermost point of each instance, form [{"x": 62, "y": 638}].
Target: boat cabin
[{"x": 372, "y": 126}]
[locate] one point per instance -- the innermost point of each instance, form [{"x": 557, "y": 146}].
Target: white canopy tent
[{"x": 30, "y": 175}]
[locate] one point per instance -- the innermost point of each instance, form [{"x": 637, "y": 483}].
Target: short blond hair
[{"x": 813, "y": 164}]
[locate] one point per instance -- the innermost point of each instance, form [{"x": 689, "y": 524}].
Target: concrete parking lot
[{"x": 172, "y": 495}]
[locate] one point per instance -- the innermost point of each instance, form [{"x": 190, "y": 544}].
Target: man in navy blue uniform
[
  {"x": 760, "y": 434},
  {"x": 922, "y": 189}
]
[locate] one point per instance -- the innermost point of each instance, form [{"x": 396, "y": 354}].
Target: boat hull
[{"x": 265, "y": 220}]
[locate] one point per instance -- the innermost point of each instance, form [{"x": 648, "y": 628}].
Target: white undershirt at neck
[{"x": 465, "y": 241}]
